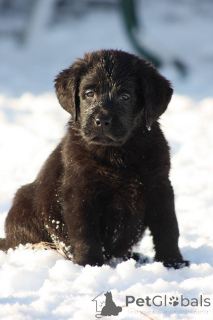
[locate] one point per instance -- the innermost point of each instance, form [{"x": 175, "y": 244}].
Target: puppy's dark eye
[
  {"x": 90, "y": 93},
  {"x": 125, "y": 96}
]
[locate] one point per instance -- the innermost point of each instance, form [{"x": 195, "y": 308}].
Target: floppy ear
[
  {"x": 157, "y": 93},
  {"x": 67, "y": 87}
]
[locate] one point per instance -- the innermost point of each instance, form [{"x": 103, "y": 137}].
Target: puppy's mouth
[
  {"x": 115, "y": 136},
  {"x": 105, "y": 140}
]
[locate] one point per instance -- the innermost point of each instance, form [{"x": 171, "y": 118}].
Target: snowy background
[{"x": 43, "y": 285}]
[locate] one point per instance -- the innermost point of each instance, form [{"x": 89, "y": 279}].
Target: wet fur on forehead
[
  {"x": 110, "y": 68},
  {"x": 111, "y": 63}
]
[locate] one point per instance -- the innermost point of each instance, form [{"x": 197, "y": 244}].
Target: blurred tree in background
[{"x": 25, "y": 20}]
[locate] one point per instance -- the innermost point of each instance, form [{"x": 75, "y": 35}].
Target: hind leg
[{"x": 22, "y": 223}]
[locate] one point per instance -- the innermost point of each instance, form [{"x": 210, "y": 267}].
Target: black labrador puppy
[{"x": 108, "y": 179}]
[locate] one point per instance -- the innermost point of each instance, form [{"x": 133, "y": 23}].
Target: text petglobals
[{"x": 164, "y": 300}]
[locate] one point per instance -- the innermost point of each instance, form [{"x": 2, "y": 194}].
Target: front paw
[
  {"x": 92, "y": 261},
  {"x": 93, "y": 258},
  {"x": 176, "y": 264},
  {"x": 138, "y": 257}
]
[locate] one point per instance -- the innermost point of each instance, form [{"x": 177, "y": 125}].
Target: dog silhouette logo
[{"x": 107, "y": 307}]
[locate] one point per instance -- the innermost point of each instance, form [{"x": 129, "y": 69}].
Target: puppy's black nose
[{"x": 103, "y": 121}]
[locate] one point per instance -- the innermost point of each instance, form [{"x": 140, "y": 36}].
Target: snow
[{"x": 44, "y": 285}]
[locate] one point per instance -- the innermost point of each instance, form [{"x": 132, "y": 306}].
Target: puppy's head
[{"x": 110, "y": 93}]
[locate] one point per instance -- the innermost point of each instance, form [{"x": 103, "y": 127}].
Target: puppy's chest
[{"x": 121, "y": 191}]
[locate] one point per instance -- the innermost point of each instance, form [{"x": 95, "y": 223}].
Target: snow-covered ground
[{"x": 43, "y": 285}]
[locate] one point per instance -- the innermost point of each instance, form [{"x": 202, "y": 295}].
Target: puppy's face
[
  {"x": 109, "y": 93},
  {"x": 108, "y": 106}
]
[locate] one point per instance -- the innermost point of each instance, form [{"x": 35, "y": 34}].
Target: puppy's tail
[{"x": 3, "y": 244}]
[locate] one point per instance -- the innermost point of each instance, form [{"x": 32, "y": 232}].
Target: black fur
[{"x": 108, "y": 179}]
